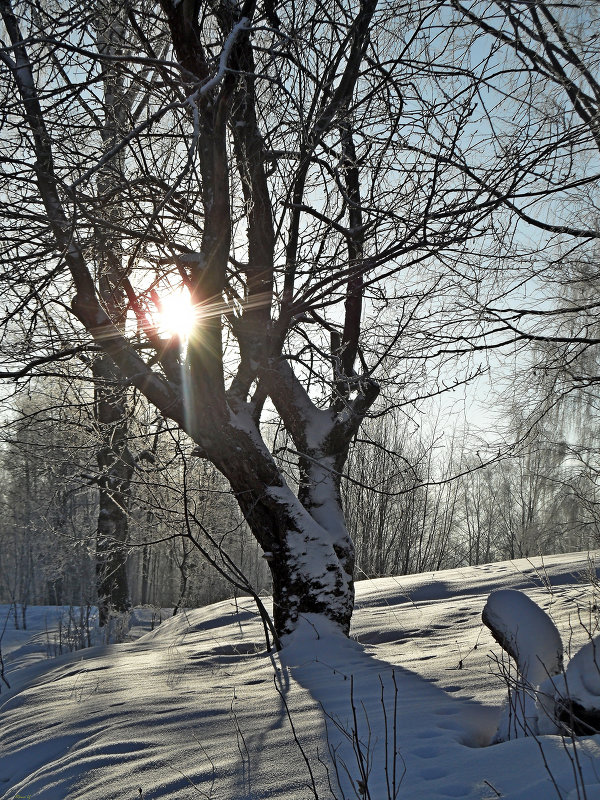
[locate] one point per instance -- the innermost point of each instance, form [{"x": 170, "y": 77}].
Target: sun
[{"x": 177, "y": 315}]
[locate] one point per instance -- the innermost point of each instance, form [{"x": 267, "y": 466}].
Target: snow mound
[
  {"x": 582, "y": 678},
  {"x": 526, "y": 632}
]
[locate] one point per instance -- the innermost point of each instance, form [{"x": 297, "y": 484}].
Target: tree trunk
[
  {"x": 304, "y": 537},
  {"x": 299, "y": 585},
  {"x": 115, "y": 462},
  {"x": 145, "y": 587},
  {"x": 116, "y": 466}
]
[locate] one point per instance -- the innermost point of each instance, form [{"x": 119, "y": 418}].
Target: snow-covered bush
[
  {"x": 530, "y": 637},
  {"x": 573, "y": 697},
  {"x": 544, "y": 697}
]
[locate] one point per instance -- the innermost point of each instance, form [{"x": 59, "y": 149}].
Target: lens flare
[{"x": 177, "y": 316}]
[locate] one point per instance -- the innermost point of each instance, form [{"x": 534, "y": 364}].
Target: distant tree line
[
  {"x": 416, "y": 499},
  {"x": 49, "y": 510}
]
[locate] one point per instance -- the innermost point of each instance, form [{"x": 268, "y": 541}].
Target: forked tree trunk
[{"x": 304, "y": 536}]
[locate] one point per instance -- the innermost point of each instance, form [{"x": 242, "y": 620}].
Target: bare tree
[
  {"x": 401, "y": 496},
  {"x": 319, "y": 182},
  {"x": 544, "y": 301}
]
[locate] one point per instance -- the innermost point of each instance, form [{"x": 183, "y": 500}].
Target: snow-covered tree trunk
[
  {"x": 317, "y": 534},
  {"x": 303, "y": 536}
]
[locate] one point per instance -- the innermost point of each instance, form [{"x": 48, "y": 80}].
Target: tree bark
[
  {"x": 115, "y": 461},
  {"x": 116, "y": 467}
]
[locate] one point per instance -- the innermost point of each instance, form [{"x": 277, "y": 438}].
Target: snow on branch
[{"x": 237, "y": 29}]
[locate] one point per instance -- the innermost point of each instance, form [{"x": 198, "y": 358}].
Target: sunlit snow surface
[{"x": 197, "y": 708}]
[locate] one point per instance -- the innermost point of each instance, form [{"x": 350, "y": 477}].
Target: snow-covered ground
[{"x": 197, "y": 708}]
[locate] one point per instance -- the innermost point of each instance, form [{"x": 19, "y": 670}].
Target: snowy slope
[{"x": 196, "y": 708}]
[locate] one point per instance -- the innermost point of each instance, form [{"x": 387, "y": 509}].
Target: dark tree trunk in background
[
  {"x": 115, "y": 461},
  {"x": 115, "y": 467}
]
